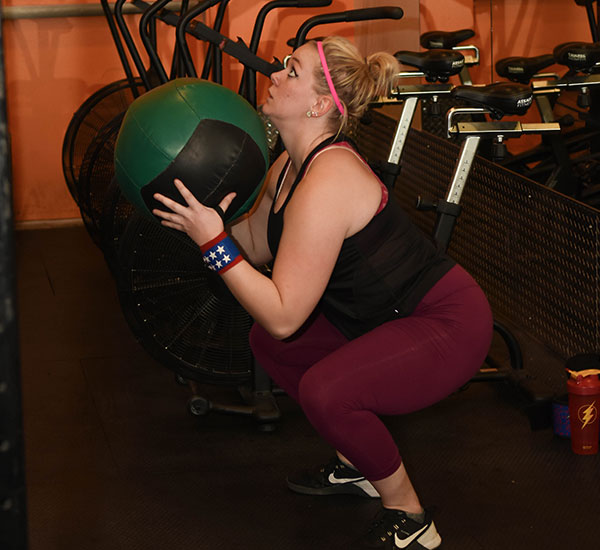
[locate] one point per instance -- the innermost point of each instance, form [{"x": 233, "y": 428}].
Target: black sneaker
[
  {"x": 334, "y": 478},
  {"x": 393, "y": 530}
]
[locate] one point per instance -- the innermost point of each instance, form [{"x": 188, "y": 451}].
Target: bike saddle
[
  {"x": 584, "y": 2},
  {"x": 500, "y": 98},
  {"x": 578, "y": 56},
  {"x": 435, "y": 64},
  {"x": 442, "y": 40},
  {"x": 521, "y": 69}
]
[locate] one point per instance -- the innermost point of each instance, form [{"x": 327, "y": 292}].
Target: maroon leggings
[{"x": 399, "y": 367}]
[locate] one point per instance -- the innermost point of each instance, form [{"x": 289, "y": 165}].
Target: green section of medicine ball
[{"x": 159, "y": 123}]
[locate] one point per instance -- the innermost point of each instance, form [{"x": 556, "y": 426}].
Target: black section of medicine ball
[{"x": 217, "y": 159}]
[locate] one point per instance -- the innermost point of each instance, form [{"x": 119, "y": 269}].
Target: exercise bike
[
  {"x": 560, "y": 161},
  {"x": 493, "y": 101}
]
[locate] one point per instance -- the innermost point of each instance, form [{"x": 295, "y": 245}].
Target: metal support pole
[
  {"x": 71, "y": 10},
  {"x": 13, "y": 516}
]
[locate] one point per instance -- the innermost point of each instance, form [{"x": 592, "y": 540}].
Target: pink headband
[{"x": 328, "y": 78}]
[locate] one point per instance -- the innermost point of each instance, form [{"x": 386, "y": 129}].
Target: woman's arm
[
  {"x": 336, "y": 198},
  {"x": 250, "y": 231}
]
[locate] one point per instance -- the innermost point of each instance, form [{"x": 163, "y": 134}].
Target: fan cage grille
[
  {"x": 99, "y": 109},
  {"x": 182, "y": 313}
]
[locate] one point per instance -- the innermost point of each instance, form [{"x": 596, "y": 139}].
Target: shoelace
[
  {"x": 328, "y": 468},
  {"x": 380, "y": 526},
  {"x": 333, "y": 465}
]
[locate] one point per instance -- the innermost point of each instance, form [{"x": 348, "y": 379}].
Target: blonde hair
[{"x": 356, "y": 79}]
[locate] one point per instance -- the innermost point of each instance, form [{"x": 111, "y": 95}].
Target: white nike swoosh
[
  {"x": 403, "y": 543},
  {"x": 333, "y": 479}
]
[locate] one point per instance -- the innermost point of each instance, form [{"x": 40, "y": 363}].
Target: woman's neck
[{"x": 299, "y": 144}]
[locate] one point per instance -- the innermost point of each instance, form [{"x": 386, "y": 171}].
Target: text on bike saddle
[
  {"x": 444, "y": 40},
  {"x": 522, "y": 69},
  {"x": 435, "y": 64},
  {"x": 500, "y": 98},
  {"x": 578, "y": 56}
]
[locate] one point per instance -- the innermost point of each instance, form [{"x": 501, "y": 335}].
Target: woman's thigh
[
  {"x": 286, "y": 361},
  {"x": 409, "y": 363}
]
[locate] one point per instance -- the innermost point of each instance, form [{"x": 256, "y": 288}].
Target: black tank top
[{"x": 382, "y": 272}]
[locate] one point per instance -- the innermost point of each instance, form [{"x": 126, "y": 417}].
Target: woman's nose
[{"x": 275, "y": 77}]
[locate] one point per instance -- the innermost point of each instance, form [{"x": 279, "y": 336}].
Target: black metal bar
[
  {"x": 119, "y": 45},
  {"x": 176, "y": 62},
  {"x": 213, "y": 55},
  {"x": 350, "y": 16},
  {"x": 592, "y": 20},
  {"x": 181, "y": 29},
  {"x": 597, "y": 22},
  {"x": 238, "y": 49},
  {"x": 149, "y": 38},
  {"x": 13, "y": 516},
  {"x": 248, "y": 81},
  {"x": 512, "y": 344},
  {"x": 133, "y": 52}
]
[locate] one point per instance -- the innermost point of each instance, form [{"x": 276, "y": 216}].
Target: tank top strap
[
  {"x": 275, "y": 223},
  {"x": 305, "y": 165},
  {"x": 341, "y": 142}
]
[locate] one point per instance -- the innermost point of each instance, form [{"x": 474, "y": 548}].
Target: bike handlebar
[{"x": 363, "y": 14}]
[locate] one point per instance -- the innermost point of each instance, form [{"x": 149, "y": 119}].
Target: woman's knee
[
  {"x": 261, "y": 342},
  {"x": 320, "y": 397}
]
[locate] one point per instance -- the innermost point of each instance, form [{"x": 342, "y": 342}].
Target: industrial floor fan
[{"x": 186, "y": 318}]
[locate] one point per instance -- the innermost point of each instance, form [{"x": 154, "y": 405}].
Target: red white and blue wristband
[{"x": 220, "y": 254}]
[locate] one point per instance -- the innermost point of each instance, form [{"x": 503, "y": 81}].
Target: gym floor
[{"x": 114, "y": 460}]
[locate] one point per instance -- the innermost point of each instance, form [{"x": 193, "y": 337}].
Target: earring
[{"x": 309, "y": 114}]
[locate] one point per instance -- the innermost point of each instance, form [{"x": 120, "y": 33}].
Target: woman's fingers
[
  {"x": 172, "y": 205},
  {"x": 164, "y": 215},
  {"x": 227, "y": 200},
  {"x": 192, "y": 217},
  {"x": 173, "y": 225},
  {"x": 191, "y": 201},
  {"x": 185, "y": 193}
]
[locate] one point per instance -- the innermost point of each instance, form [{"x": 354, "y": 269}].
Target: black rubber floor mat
[{"x": 115, "y": 461}]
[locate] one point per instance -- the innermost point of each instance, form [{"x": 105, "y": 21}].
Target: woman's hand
[{"x": 200, "y": 222}]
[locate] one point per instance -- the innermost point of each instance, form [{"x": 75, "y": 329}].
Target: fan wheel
[
  {"x": 94, "y": 113},
  {"x": 181, "y": 312},
  {"x": 96, "y": 175},
  {"x": 116, "y": 211}
]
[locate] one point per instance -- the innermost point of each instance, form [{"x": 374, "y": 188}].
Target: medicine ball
[{"x": 198, "y": 131}]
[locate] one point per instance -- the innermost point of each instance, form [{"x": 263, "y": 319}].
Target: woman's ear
[{"x": 323, "y": 104}]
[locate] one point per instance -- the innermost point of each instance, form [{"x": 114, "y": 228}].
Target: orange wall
[
  {"x": 507, "y": 28},
  {"x": 511, "y": 27},
  {"x": 53, "y": 65}
]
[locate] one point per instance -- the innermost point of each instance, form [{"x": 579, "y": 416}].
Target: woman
[{"x": 362, "y": 315}]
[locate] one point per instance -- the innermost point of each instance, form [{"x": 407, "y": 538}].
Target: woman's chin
[{"x": 266, "y": 106}]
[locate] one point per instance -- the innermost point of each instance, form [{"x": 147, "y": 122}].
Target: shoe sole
[{"x": 342, "y": 489}]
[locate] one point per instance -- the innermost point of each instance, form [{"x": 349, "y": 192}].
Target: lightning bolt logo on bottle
[{"x": 587, "y": 414}]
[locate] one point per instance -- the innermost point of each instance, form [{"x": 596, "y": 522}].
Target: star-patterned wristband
[{"x": 220, "y": 254}]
